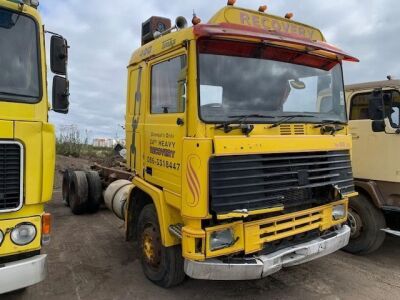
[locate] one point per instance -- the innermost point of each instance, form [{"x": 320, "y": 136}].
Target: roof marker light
[
  {"x": 231, "y": 2},
  {"x": 196, "y": 20},
  {"x": 262, "y": 8},
  {"x": 289, "y": 16}
]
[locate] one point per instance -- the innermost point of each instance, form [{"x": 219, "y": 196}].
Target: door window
[
  {"x": 167, "y": 86},
  {"x": 360, "y": 106}
]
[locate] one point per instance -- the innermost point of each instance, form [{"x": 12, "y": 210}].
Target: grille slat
[
  {"x": 10, "y": 176},
  {"x": 284, "y": 165},
  {"x": 266, "y": 180},
  {"x": 255, "y": 192},
  {"x": 232, "y": 160}
]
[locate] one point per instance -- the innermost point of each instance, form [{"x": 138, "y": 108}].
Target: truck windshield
[
  {"x": 19, "y": 63},
  {"x": 250, "y": 79}
]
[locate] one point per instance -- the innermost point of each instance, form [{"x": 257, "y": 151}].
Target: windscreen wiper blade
[
  {"x": 288, "y": 118},
  {"x": 240, "y": 119},
  {"x": 330, "y": 122}
]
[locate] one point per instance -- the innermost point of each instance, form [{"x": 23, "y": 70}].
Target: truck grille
[
  {"x": 268, "y": 180},
  {"x": 10, "y": 176}
]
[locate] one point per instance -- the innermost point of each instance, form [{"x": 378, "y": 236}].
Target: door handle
[
  {"x": 355, "y": 137},
  {"x": 180, "y": 122}
]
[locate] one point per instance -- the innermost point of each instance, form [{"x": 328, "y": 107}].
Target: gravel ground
[{"x": 89, "y": 259}]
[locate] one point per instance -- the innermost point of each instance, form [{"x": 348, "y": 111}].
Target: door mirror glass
[
  {"x": 60, "y": 94},
  {"x": 378, "y": 125},
  {"x": 58, "y": 55}
]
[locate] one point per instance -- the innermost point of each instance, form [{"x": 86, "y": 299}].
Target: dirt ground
[{"x": 89, "y": 259}]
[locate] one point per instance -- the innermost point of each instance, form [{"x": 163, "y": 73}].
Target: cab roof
[
  {"x": 244, "y": 24},
  {"x": 373, "y": 85}
]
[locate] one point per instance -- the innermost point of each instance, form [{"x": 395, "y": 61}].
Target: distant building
[{"x": 107, "y": 142}]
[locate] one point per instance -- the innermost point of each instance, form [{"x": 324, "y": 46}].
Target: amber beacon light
[{"x": 262, "y": 8}]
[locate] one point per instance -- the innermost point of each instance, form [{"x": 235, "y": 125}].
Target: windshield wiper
[
  {"x": 226, "y": 126},
  {"x": 288, "y": 118},
  {"x": 330, "y": 126},
  {"x": 329, "y": 122}
]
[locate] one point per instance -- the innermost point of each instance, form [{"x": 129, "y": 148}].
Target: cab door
[
  {"x": 166, "y": 121},
  {"x": 373, "y": 150}
]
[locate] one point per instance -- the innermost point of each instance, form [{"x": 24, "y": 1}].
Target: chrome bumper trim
[
  {"x": 264, "y": 265},
  {"x": 22, "y": 273}
]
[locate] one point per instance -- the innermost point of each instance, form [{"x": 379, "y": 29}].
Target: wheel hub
[
  {"x": 151, "y": 247},
  {"x": 355, "y": 223}
]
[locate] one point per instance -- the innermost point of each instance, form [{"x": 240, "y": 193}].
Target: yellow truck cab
[
  {"x": 374, "y": 124},
  {"x": 239, "y": 167},
  {"x": 27, "y": 141},
  {"x": 236, "y": 167}
]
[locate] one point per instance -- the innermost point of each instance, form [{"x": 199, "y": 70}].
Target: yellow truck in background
[
  {"x": 374, "y": 120},
  {"x": 27, "y": 140},
  {"x": 234, "y": 170}
]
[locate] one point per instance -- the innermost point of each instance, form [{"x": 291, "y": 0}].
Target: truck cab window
[
  {"x": 19, "y": 60},
  {"x": 268, "y": 84},
  {"x": 359, "y": 107},
  {"x": 392, "y": 107},
  {"x": 165, "y": 80}
]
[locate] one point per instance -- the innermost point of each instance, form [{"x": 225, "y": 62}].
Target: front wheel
[
  {"x": 366, "y": 222},
  {"x": 162, "y": 265}
]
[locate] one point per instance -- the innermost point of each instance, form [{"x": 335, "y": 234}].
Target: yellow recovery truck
[
  {"x": 375, "y": 127},
  {"x": 233, "y": 170},
  {"x": 27, "y": 141}
]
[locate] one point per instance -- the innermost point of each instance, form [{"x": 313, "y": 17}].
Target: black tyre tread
[
  {"x": 66, "y": 185},
  {"x": 172, "y": 272},
  {"x": 373, "y": 220},
  {"x": 95, "y": 191},
  {"x": 78, "y": 193}
]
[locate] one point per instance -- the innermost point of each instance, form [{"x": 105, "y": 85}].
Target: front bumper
[
  {"x": 22, "y": 273},
  {"x": 264, "y": 265}
]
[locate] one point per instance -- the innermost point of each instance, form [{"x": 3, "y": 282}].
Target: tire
[
  {"x": 366, "y": 222},
  {"x": 95, "y": 191},
  {"x": 162, "y": 265},
  {"x": 78, "y": 197},
  {"x": 66, "y": 185}
]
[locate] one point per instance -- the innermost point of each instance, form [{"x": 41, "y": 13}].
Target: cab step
[{"x": 176, "y": 230}]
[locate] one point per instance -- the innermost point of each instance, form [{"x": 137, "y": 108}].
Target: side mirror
[
  {"x": 60, "y": 94},
  {"x": 378, "y": 125},
  {"x": 375, "y": 106},
  {"x": 58, "y": 55}
]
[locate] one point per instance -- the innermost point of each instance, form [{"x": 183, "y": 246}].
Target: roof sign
[{"x": 240, "y": 16}]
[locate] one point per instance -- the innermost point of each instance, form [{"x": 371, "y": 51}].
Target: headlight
[
  {"x": 222, "y": 239},
  {"x": 23, "y": 234},
  {"x": 1, "y": 237},
  {"x": 339, "y": 212}
]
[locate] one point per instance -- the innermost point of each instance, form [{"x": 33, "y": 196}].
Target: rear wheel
[
  {"x": 95, "y": 190},
  {"x": 366, "y": 222},
  {"x": 78, "y": 197},
  {"x": 162, "y": 265},
  {"x": 66, "y": 185}
]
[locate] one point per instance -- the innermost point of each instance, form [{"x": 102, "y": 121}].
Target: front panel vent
[{"x": 292, "y": 129}]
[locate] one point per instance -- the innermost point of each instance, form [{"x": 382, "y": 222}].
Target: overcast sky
[{"x": 103, "y": 34}]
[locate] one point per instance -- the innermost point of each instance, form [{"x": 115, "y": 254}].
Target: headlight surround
[
  {"x": 339, "y": 212},
  {"x": 23, "y": 234},
  {"x": 222, "y": 239}
]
